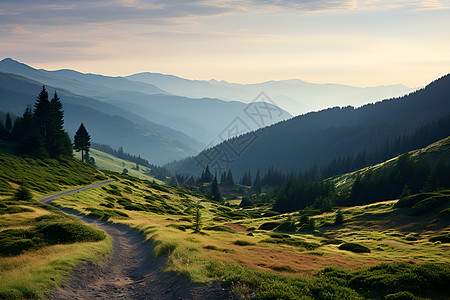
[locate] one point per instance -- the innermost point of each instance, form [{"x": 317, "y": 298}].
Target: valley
[{"x": 344, "y": 203}]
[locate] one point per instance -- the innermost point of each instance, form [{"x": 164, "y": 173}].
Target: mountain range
[
  {"x": 316, "y": 138},
  {"x": 163, "y": 127},
  {"x": 296, "y": 96},
  {"x": 164, "y": 118}
]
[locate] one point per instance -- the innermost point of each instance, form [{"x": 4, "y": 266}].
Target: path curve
[{"x": 131, "y": 272}]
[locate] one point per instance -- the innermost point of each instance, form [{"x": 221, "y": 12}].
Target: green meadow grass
[
  {"x": 105, "y": 161},
  {"x": 233, "y": 249},
  {"x": 39, "y": 245}
]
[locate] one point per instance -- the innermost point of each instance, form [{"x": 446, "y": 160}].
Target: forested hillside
[{"x": 316, "y": 139}]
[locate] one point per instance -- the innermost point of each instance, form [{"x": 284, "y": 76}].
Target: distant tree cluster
[
  {"x": 407, "y": 176},
  {"x": 422, "y": 137},
  {"x": 39, "y": 132},
  {"x": 300, "y": 193}
]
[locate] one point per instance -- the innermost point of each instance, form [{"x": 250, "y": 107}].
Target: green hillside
[
  {"x": 281, "y": 256},
  {"x": 430, "y": 154},
  {"x": 373, "y": 251},
  {"x": 105, "y": 161},
  {"x": 33, "y": 259}
]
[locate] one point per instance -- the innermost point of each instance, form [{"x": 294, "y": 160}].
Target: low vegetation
[
  {"x": 269, "y": 255},
  {"x": 39, "y": 245},
  {"x": 380, "y": 250}
]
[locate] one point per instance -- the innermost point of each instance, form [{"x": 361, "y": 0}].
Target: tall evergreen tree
[
  {"x": 229, "y": 179},
  {"x": 27, "y": 135},
  {"x": 2, "y": 131},
  {"x": 8, "y": 125},
  {"x": 81, "y": 141},
  {"x": 257, "y": 183},
  {"x": 41, "y": 112},
  {"x": 58, "y": 141},
  {"x": 206, "y": 175},
  {"x": 215, "y": 191}
]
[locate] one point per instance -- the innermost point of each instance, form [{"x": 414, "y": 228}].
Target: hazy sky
[{"x": 355, "y": 42}]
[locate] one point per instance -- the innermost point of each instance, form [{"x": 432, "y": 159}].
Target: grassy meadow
[
  {"x": 259, "y": 252},
  {"x": 33, "y": 260},
  {"x": 383, "y": 250},
  {"x": 105, "y": 161}
]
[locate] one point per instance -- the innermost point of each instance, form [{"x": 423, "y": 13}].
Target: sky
[{"x": 355, "y": 42}]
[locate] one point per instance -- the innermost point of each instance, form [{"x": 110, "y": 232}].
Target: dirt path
[{"x": 131, "y": 272}]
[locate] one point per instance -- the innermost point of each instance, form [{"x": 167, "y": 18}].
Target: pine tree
[
  {"x": 339, "y": 220},
  {"x": 257, "y": 183},
  {"x": 206, "y": 175},
  {"x": 26, "y": 133},
  {"x": 57, "y": 141},
  {"x": 230, "y": 180},
  {"x": 41, "y": 112},
  {"x": 197, "y": 219},
  {"x": 81, "y": 141},
  {"x": 215, "y": 191},
  {"x": 8, "y": 125},
  {"x": 22, "y": 193}
]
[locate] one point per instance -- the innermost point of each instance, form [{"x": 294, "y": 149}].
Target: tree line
[{"x": 40, "y": 133}]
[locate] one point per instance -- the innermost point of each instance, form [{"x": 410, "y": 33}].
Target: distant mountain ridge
[
  {"x": 294, "y": 95},
  {"x": 106, "y": 123},
  {"x": 201, "y": 119},
  {"x": 316, "y": 138}
]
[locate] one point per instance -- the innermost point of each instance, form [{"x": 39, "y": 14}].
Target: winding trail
[{"x": 131, "y": 272}]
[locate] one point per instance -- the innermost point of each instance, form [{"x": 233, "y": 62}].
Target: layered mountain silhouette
[
  {"x": 296, "y": 96},
  {"x": 106, "y": 123},
  {"x": 317, "y": 138},
  {"x": 201, "y": 119}
]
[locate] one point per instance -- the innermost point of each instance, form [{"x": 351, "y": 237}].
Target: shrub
[
  {"x": 339, "y": 220},
  {"x": 354, "y": 247},
  {"x": 15, "y": 210},
  {"x": 15, "y": 241},
  {"x": 286, "y": 226},
  {"x": 67, "y": 233},
  {"x": 444, "y": 238},
  {"x": 269, "y": 225},
  {"x": 410, "y": 201},
  {"x": 220, "y": 228},
  {"x": 246, "y": 202},
  {"x": 428, "y": 204},
  {"x": 22, "y": 193},
  {"x": 242, "y": 243}
]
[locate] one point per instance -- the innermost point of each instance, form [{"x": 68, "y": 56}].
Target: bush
[
  {"x": 246, "y": 202},
  {"x": 428, "y": 204},
  {"x": 444, "y": 238},
  {"x": 220, "y": 228},
  {"x": 410, "y": 201},
  {"x": 15, "y": 241},
  {"x": 269, "y": 225},
  {"x": 286, "y": 226},
  {"x": 15, "y": 210},
  {"x": 22, "y": 193},
  {"x": 67, "y": 233},
  {"x": 242, "y": 243},
  {"x": 354, "y": 247}
]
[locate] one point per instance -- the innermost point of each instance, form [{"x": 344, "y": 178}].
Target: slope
[
  {"x": 438, "y": 151},
  {"x": 317, "y": 138},
  {"x": 105, "y": 161}
]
